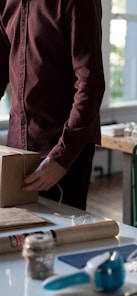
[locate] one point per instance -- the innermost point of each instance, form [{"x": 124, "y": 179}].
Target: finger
[
  {"x": 38, "y": 185},
  {"x": 32, "y": 177},
  {"x": 44, "y": 186}
]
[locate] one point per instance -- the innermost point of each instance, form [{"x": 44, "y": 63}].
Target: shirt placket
[{"x": 22, "y": 68}]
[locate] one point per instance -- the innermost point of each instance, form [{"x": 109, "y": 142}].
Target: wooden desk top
[{"x": 124, "y": 144}]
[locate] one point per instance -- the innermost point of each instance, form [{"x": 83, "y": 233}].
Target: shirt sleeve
[
  {"x": 4, "y": 58},
  {"x": 83, "y": 23}
]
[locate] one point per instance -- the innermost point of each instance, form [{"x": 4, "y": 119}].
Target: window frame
[{"x": 107, "y": 16}]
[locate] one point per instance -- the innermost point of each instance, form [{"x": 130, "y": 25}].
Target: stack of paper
[{"x": 113, "y": 129}]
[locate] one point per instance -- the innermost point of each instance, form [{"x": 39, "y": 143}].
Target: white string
[
  {"x": 61, "y": 195},
  {"x": 59, "y": 204},
  {"x": 82, "y": 219}
]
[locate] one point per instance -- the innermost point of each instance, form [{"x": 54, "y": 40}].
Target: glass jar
[
  {"x": 134, "y": 132},
  {"x": 38, "y": 251},
  {"x": 129, "y": 128}
]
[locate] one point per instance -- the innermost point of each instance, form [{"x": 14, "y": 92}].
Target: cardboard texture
[
  {"x": 65, "y": 235},
  {"x": 15, "y": 164},
  {"x": 15, "y": 218},
  {"x": 86, "y": 232}
]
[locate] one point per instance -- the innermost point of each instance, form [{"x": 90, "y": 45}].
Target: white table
[{"x": 13, "y": 278}]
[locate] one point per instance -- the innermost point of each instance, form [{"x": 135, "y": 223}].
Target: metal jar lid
[{"x": 38, "y": 243}]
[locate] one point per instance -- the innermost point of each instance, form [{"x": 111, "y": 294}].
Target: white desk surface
[{"x": 13, "y": 278}]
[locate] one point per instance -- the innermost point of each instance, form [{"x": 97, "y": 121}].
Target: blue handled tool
[{"x": 105, "y": 272}]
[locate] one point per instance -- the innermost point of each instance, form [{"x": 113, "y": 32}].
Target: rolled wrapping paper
[
  {"x": 86, "y": 232},
  {"x": 66, "y": 235},
  {"x": 13, "y": 243}
]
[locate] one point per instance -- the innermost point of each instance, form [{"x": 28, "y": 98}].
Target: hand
[{"x": 48, "y": 173}]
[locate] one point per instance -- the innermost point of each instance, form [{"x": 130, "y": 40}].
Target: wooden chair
[{"x": 134, "y": 184}]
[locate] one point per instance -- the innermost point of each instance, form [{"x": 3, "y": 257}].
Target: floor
[{"x": 105, "y": 196}]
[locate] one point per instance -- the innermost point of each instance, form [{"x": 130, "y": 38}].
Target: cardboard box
[{"x": 15, "y": 164}]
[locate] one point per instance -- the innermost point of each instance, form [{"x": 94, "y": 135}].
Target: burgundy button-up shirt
[{"x": 50, "y": 51}]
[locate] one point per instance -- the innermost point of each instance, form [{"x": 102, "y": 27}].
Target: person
[{"x": 50, "y": 52}]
